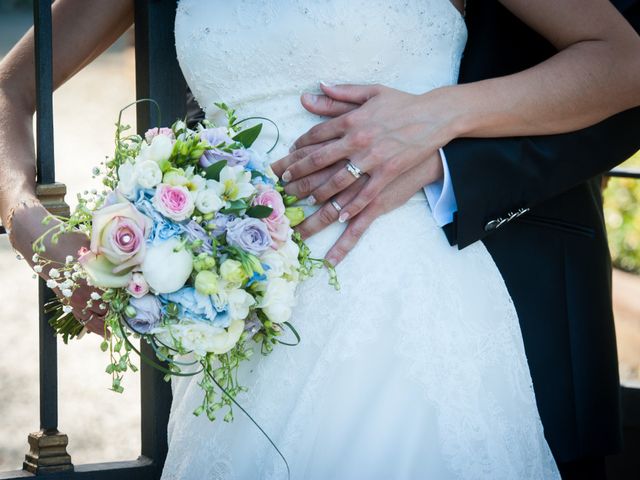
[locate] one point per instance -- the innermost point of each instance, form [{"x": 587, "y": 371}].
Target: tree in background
[{"x": 622, "y": 214}]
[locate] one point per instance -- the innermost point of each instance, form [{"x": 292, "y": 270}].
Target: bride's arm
[
  {"x": 82, "y": 29},
  {"x": 596, "y": 74}
]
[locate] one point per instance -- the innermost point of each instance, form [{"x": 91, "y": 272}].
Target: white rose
[
  {"x": 167, "y": 266},
  {"x": 239, "y": 303},
  {"x": 160, "y": 149},
  {"x": 283, "y": 261},
  {"x": 208, "y": 201},
  {"x": 278, "y": 300},
  {"x": 275, "y": 261},
  {"x": 202, "y": 338},
  {"x": 127, "y": 181},
  {"x": 148, "y": 173}
]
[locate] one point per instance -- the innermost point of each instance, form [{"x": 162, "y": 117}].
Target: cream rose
[{"x": 118, "y": 235}]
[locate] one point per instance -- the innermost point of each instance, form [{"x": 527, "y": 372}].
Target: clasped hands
[{"x": 391, "y": 136}]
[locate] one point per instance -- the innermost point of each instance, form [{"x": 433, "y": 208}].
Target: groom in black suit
[
  {"x": 554, "y": 259},
  {"x": 536, "y": 204}
]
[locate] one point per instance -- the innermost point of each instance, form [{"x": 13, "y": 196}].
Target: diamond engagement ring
[
  {"x": 353, "y": 170},
  {"x": 336, "y": 205}
]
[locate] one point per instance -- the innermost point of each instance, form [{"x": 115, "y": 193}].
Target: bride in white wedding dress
[{"x": 416, "y": 368}]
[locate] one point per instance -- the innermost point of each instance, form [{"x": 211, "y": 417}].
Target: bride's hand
[
  {"x": 392, "y": 196},
  {"x": 390, "y": 133},
  {"x": 26, "y": 226}
]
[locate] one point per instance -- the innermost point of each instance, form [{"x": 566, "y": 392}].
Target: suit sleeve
[{"x": 494, "y": 176}]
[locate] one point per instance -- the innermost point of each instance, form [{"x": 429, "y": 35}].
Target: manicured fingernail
[
  {"x": 327, "y": 84},
  {"x": 332, "y": 260},
  {"x": 311, "y": 98},
  {"x": 343, "y": 217},
  {"x": 286, "y": 176},
  {"x": 311, "y": 200}
]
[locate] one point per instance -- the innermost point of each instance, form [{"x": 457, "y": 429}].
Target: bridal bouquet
[{"x": 191, "y": 249}]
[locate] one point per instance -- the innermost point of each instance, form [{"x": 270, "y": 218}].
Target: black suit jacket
[{"x": 554, "y": 258}]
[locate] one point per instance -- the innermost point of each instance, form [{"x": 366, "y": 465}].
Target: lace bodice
[{"x": 260, "y": 55}]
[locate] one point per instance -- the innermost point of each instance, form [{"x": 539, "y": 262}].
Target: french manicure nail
[
  {"x": 286, "y": 176},
  {"x": 311, "y": 98},
  {"x": 343, "y": 217},
  {"x": 311, "y": 200},
  {"x": 327, "y": 84}
]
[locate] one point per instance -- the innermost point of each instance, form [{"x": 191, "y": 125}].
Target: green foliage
[
  {"x": 622, "y": 215},
  {"x": 248, "y": 136},
  {"x": 212, "y": 172}
]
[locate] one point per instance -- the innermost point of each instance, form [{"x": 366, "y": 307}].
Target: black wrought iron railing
[{"x": 158, "y": 76}]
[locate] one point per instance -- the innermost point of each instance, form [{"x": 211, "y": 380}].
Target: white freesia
[
  {"x": 197, "y": 183},
  {"x": 127, "y": 181},
  {"x": 202, "y": 337},
  {"x": 234, "y": 184},
  {"x": 208, "y": 201},
  {"x": 214, "y": 187},
  {"x": 278, "y": 300},
  {"x": 167, "y": 266},
  {"x": 147, "y": 173}
]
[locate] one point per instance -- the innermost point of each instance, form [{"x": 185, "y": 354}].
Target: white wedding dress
[{"x": 415, "y": 369}]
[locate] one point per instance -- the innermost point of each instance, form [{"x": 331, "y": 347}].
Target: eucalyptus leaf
[{"x": 248, "y": 136}]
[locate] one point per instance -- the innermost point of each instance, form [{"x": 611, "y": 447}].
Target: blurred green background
[{"x": 622, "y": 214}]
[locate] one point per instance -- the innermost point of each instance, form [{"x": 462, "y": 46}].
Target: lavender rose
[
  {"x": 249, "y": 234},
  {"x": 147, "y": 313}
]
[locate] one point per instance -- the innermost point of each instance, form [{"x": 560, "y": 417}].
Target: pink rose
[
  {"x": 277, "y": 222},
  {"x": 138, "y": 286},
  {"x": 118, "y": 235},
  {"x": 154, "y": 132},
  {"x": 174, "y": 202},
  {"x": 272, "y": 199}
]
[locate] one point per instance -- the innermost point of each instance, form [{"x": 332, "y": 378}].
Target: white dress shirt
[{"x": 441, "y": 197}]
